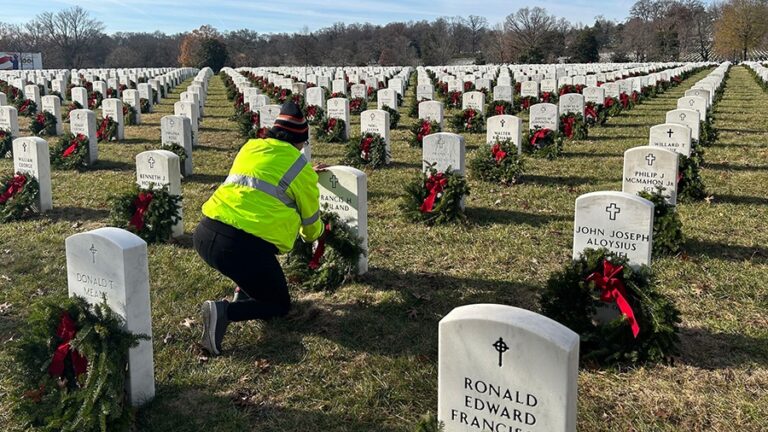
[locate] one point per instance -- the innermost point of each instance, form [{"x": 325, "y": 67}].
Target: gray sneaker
[{"x": 214, "y": 325}]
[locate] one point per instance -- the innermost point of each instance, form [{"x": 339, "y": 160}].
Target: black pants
[{"x": 251, "y": 263}]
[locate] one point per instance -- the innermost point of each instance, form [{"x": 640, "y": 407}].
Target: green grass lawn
[{"x": 364, "y": 358}]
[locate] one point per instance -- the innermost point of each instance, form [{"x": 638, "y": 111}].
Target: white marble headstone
[
  {"x": 189, "y": 110},
  {"x": 52, "y": 105},
  {"x": 685, "y": 117},
  {"x": 316, "y": 96},
  {"x": 504, "y": 93},
  {"x": 647, "y": 168},
  {"x": 113, "y": 107},
  {"x": 112, "y": 263},
  {"x": 671, "y": 136},
  {"x": 338, "y": 108},
  {"x": 504, "y": 127},
  {"x": 617, "y": 221},
  {"x": 31, "y": 156},
  {"x": 161, "y": 168},
  {"x": 474, "y": 100},
  {"x": 83, "y": 121},
  {"x": 502, "y": 368},
  {"x": 571, "y": 103},
  {"x": 444, "y": 149},
  {"x": 376, "y": 122},
  {"x": 131, "y": 98},
  {"x": 178, "y": 130},
  {"x": 268, "y": 114},
  {"x": 344, "y": 191},
  {"x": 79, "y": 95},
  {"x": 9, "y": 119},
  {"x": 545, "y": 116},
  {"x": 432, "y": 111}
]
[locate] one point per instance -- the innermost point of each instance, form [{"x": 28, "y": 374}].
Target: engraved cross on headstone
[
  {"x": 501, "y": 122},
  {"x": 613, "y": 210},
  {"x": 650, "y": 158},
  {"x": 151, "y": 162},
  {"x": 501, "y": 347},
  {"x": 93, "y": 252},
  {"x": 334, "y": 181},
  {"x": 682, "y": 116},
  {"x": 670, "y": 132},
  {"x": 24, "y": 146}
]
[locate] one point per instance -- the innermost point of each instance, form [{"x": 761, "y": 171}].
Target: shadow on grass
[
  {"x": 404, "y": 325},
  {"x": 567, "y": 155},
  {"x": 77, "y": 214},
  {"x": 558, "y": 180},
  {"x": 740, "y": 200},
  {"x": 708, "y": 350},
  {"x": 215, "y": 129},
  {"x": 178, "y": 408},
  {"x": 613, "y": 137},
  {"x": 724, "y": 251},
  {"x": 136, "y": 141},
  {"x": 734, "y": 167},
  {"x": 205, "y": 179},
  {"x": 111, "y": 165},
  {"x": 216, "y": 149},
  {"x": 746, "y": 131},
  {"x": 487, "y": 216},
  {"x": 403, "y": 165}
]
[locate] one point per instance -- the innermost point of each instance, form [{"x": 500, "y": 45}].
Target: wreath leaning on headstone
[
  {"x": 394, "y": 116},
  {"x": 146, "y": 108},
  {"x": 645, "y": 327},
  {"x": 26, "y": 107},
  {"x": 129, "y": 115},
  {"x": 436, "y": 197},
  {"x": 370, "y": 151},
  {"x": 469, "y": 120},
  {"x": 72, "y": 361},
  {"x": 573, "y": 126},
  {"x": 18, "y": 196},
  {"x": 71, "y": 152},
  {"x": 329, "y": 263},
  {"x": 667, "y": 227},
  {"x": 357, "y": 105},
  {"x": 331, "y": 130},
  {"x": 149, "y": 213},
  {"x": 543, "y": 142},
  {"x": 107, "y": 130},
  {"x": 44, "y": 123},
  {"x": 6, "y": 143},
  {"x": 500, "y": 107},
  {"x": 422, "y": 128},
  {"x": 690, "y": 185},
  {"x": 314, "y": 114},
  {"x": 497, "y": 163},
  {"x": 180, "y": 152}
]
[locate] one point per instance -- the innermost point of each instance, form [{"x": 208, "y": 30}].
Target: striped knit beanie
[{"x": 290, "y": 125}]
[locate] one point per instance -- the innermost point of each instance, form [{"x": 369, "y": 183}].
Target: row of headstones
[{"x": 760, "y": 70}]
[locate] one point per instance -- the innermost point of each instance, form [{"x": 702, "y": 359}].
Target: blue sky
[{"x": 173, "y": 16}]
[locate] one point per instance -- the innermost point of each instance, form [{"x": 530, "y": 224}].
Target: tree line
[{"x": 655, "y": 30}]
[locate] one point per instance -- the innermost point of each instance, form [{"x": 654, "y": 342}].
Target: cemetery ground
[{"x": 364, "y": 358}]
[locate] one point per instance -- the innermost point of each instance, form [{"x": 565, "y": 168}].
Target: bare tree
[
  {"x": 72, "y": 32},
  {"x": 477, "y": 27}
]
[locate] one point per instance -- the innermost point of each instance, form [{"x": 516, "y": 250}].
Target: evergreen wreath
[
  {"x": 525, "y": 102},
  {"x": 435, "y": 197},
  {"x": 26, "y": 107},
  {"x": 422, "y": 128},
  {"x": 708, "y": 134},
  {"x": 331, "y": 130},
  {"x": 71, "y": 152},
  {"x": 626, "y": 102},
  {"x": 18, "y": 196},
  {"x": 470, "y": 120},
  {"x": 71, "y": 107},
  {"x": 72, "y": 361},
  {"x": 413, "y": 111},
  {"x": 548, "y": 97},
  {"x": 667, "y": 227},
  {"x": 180, "y": 152},
  {"x": 314, "y": 114},
  {"x": 6, "y": 143},
  {"x": 574, "y": 294},
  {"x": 357, "y": 105},
  {"x": 573, "y": 126},
  {"x": 453, "y": 100},
  {"x": 500, "y": 107},
  {"x": 107, "y": 130},
  {"x": 370, "y": 151},
  {"x": 497, "y": 163},
  {"x": 394, "y": 116},
  {"x": 594, "y": 114},
  {"x": 149, "y": 213},
  {"x": 612, "y": 107},
  {"x": 247, "y": 121},
  {"x": 331, "y": 264},
  {"x": 299, "y": 100},
  {"x": 146, "y": 108},
  {"x": 543, "y": 142},
  {"x": 44, "y": 123},
  {"x": 94, "y": 100},
  {"x": 690, "y": 185},
  {"x": 129, "y": 115}
]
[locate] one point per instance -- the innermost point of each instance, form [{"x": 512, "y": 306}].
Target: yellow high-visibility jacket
[{"x": 271, "y": 192}]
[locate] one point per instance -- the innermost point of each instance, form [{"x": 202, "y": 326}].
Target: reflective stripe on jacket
[{"x": 271, "y": 192}]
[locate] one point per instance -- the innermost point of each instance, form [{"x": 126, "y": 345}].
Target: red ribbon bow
[
  {"x": 590, "y": 112},
  {"x": 424, "y": 130},
  {"x": 71, "y": 149},
  {"x": 546, "y": 96},
  {"x": 314, "y": 263},
  {"x": 66, "y": 332},
  {"x": 499, "y": 109},
  {"x": 331, "y": 125},
  {"x": 16, "y": 185},
  {"x": 40, "y": 119},
  {"x": 539, "y": 135},
  {"x": 498, "y": 153},
  {"x": 568, "y": 123},
  {"x": 526, "y": 103},
  {"x": 435, "y": 184},
  {"x": 255, "y": 119},
  {"x": 624, "y": 99},
  {"x": 365, "y": 147},
  {"x": 609, "y": 101},
  {"x": 469, "y": 116},
  {"x": 142, "y": 204},
  {"x": 613, "y": 290}
]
